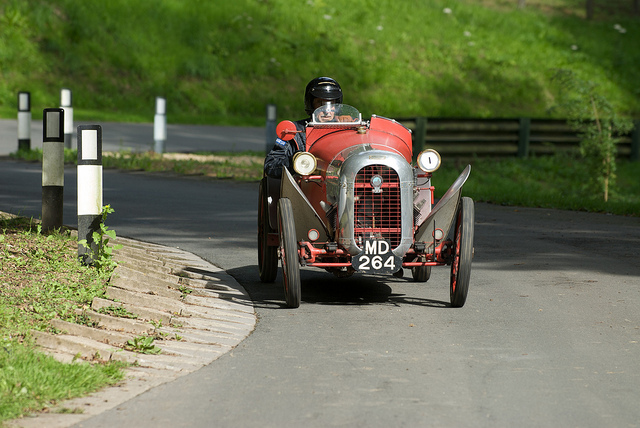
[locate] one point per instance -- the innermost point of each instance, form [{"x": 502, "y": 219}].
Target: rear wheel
[
  {"x": 267, "y": 256},
  {"x": 463, "y": 246},
  {"x": 289, "y": 253},
  {"x": 421, "y": 273}
]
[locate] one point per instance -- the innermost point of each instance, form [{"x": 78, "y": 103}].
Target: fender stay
[
  {"x": 443, "y": 213},
  {"x": 304, "y": 215}
]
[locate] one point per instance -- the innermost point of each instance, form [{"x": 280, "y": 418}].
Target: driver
[
  {"x": 327, "y": 113},
  {"x": 319, "y": 91}
]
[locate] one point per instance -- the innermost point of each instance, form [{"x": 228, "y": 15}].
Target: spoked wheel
[
  {"x": 289, "y": 253},
  {"x": 463, "y": 246},
  {"x": 267, "y": 256},
  {"x": 421, "y": 273}
]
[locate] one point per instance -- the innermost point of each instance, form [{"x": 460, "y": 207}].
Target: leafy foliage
[
  {"x": 143, "y": 345},
  {"x": 101, "y": 254},
  {"x": 597, "y": 123}
]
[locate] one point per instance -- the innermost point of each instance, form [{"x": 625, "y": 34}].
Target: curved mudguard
[
  {"x": 271, "y": 187},
  {"x": 304, "y": 215},
  {"x": 442, "y": 215}
]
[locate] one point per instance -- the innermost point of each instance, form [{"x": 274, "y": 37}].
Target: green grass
[
  {"x": 221, "y": 62},
  {"x": 560, "y": 182},
  {"x": 31, "y": 381},
  {"x": 42, "y": 279}
]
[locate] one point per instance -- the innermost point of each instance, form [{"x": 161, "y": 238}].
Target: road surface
[{"x": 549, "y": 335}]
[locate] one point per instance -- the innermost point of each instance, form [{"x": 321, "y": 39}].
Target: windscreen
[{"x": 335, "y": 115}]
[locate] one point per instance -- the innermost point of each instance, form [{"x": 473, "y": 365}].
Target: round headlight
[
  {"x": 429, "y": 160},
  {"x": 438, "y": 234},
  {"x": 304, "y": 163}
]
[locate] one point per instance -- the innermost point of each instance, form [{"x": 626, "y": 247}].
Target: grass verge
[
  {"x": 243, "y": 166},
  {"x": 562, "y": 181},
  {"x": 42, "y": 279}
]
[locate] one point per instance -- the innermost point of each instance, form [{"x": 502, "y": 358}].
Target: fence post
[
  {"x": 24, "y": 121},
  {"x": 52, "y": 168},
  {"x": 419, "y": 136},
  {"x": 65, "y": 103},
  {"x": 271, "y": 126},
  {"x": 523, "y": 137},
  {"x": 89, "y": 189},
  {"x": 160, "y": 125},
  {"x": 635, "y": 142}
]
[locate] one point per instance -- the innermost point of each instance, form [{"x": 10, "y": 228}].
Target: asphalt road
[
  {"x": 549, "y": 335},
  {"x": 138, "y": 137}
]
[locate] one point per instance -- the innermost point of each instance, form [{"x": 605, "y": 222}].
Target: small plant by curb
[
  {"x": 185, "y": 291},
  {"x": 117, "y": 311},
  {"x": 101, "y": 254},
  {"x": 142, "y": 345}
]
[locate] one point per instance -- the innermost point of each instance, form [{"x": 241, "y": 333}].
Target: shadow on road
[{"x": 322, "y": 288}]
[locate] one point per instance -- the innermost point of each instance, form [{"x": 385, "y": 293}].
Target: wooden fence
[{"x": 466, "y": 138}]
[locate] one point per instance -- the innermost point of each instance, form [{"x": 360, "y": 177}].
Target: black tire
[
  {"x": 421, "y": 273},
  {"x": 289, "y": 253},
  {"x": 267, "y": 256},
  {"x": 463, "y": 252}
]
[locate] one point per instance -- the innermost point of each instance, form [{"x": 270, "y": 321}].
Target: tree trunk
[{"x": 589, "y": 8}]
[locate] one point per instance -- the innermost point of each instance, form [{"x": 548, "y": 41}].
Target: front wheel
[
  {"x": 289, "y": 253},
  {"x": 463, "y": 246}
]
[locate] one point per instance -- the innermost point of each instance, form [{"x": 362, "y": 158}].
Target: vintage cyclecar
[{"x": 356, "y": 204}]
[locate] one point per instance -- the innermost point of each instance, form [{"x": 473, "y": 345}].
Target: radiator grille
[{"x": 377, "y": 214}]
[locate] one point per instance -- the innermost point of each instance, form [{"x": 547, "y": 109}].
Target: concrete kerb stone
[
  {"x": 107, "y": 322},
  {"x": 145, "y": 314},
  {"x": 191, "y": 327}
]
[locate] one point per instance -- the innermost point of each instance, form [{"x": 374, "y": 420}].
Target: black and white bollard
[
  {"x": 271, "y": 126},
  {"x": 160, "y": 125},
  {"x": 89, "y": 189},
  {"x": 52, "y": 168},
  {"x": 65, "y": 103},
  {"x": 24, "y": 121}
]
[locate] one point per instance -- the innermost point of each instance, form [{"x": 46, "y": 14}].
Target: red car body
[{"x": 355, "y": 203}]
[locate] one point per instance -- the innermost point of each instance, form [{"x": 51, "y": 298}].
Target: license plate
[{"x": 376, "y": 258}]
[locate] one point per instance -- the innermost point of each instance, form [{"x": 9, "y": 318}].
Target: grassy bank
[
  {"x": 560, "y": 182},
  {"x": 221, "y": 62},
  {"x": 41, "y": 280}
]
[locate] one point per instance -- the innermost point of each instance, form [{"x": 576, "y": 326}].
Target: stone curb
[{"x": 195, "y": 311}]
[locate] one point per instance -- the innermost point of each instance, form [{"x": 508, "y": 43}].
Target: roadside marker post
[
  {"x": 271, "y": 126},
  {"x": 24, "y": 120},
  {"x": 89, "y": 189},
  {"x": 52, "y": 168},
  {"x": 160, "y": 125},
  {"x": 65, "y": 103}
]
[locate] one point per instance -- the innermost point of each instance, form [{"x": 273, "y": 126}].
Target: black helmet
[{"x": 325, "y": 88}]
